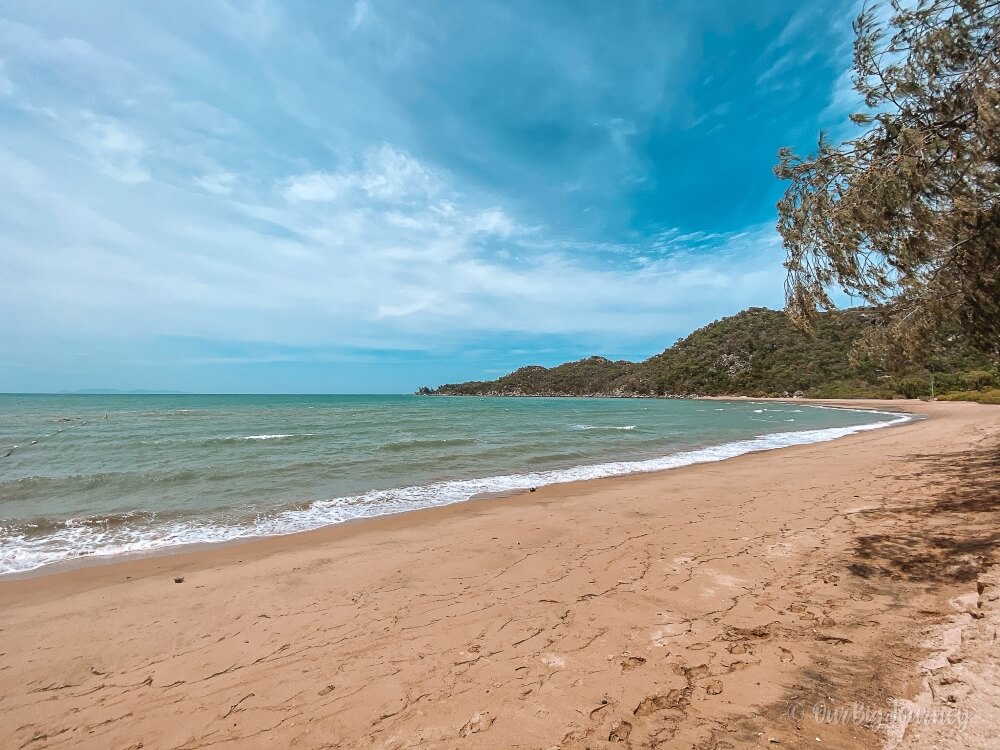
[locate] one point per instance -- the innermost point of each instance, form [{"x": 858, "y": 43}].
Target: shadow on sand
[{"x": 943, "y": 539}]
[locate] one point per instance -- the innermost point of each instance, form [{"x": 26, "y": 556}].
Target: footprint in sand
[
  {"x": 786, "y": 655},
  {"x": 737, "y": 648},
  {"x": 629, "y": 663},
  {"x": 696, "y": 673},
  {"x": 714, "y": 687},
  {"x": 653, "y": 703}
]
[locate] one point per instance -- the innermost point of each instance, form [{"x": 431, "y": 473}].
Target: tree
[
  {"x": 906, "y": 215},
  {"x": 975, "y": 380}
]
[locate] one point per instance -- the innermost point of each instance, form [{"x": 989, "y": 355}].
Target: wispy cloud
[
  {"x": 258, "y": 177},
  {"x": 219, "y": 183},
  {"x": 314, "y": 187},
  {"x": 387, "y": 174},
  {"x": 115, "y": 148},
  {"x": 362, "y": 12}
]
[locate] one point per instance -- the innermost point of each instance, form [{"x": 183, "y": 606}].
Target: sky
[{"x": 370, "y": 196}]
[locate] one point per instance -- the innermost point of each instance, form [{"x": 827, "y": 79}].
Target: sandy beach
[{"x": 734, "y": 604}]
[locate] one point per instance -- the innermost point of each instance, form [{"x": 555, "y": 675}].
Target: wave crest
[{"x": 22, "y": 551}]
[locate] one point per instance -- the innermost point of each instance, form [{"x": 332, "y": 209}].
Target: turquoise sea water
[{"x": 101, "y": 475}]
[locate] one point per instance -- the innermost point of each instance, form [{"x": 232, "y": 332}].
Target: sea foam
[
  {"x": 602, "y": 427},
  {"x": 75, "y": 540}
]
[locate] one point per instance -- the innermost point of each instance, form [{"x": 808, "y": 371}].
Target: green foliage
[
  {"x": 913, "y": 387},
  {"x": 582, "y": 378},
  {"x": 978, "y": 379},
  {"x": 851, "y": 389},
  {"x": 907, "y": 215},
  {"x": 985, "y": 396},
  {"x": 758, "y": 352}
]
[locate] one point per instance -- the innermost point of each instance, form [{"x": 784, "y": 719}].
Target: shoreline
[
  {"x": 717, "y": 603},
  {"x": 67, "y": 565}
]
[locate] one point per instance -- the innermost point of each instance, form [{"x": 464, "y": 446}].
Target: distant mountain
[{"x": 757, "y": 352}]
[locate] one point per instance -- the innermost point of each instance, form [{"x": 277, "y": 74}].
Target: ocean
[{"x": 86, "y": 475}]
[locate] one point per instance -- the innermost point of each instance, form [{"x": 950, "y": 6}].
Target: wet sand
[{"x": 717, "y": 605}]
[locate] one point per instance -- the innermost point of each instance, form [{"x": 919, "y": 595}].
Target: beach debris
[
  {"x": 836, "y": 639},
  {"x": 327, "y": 690},
  {"x": 479, "y": 722},
  {"x": 532, "y": 489},
  {"x": 620, "y": 731},
  {"x": 549, "y": 660},
  {"x": 595, "y": 711},
  {"x": 179, "y": 579},
  {"x": 235, "y": 705}
]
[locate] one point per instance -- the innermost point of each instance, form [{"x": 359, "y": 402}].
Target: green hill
[{"x": 757, "y": 352}]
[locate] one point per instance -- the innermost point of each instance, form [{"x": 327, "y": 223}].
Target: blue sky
[{"x": 371, "y": 196}]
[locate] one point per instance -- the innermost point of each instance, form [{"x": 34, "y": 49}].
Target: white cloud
[
  {"x": 493, "y": 221},
  {"x": 117, "y": 150},
  {"x": 418, "y": 302},
  {"x": 390, "y": 174},
  {"x": 844, "y": 98},
  {"x": 803, "y": 17},
  {"x": 312, "y": 187},
  {"x": 219, "y": 183},
  {"x": 343, "y": 273},
  {"x": 786, "y": 63},
  {"x": 362, "y": 13},
  {"x": 316, "y": 221}
]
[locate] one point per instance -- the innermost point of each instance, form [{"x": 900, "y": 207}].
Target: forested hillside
[{"x": 757, "y": 352}]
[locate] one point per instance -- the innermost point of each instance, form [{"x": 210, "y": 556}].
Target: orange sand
[{"x": 712, "y": 606}]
